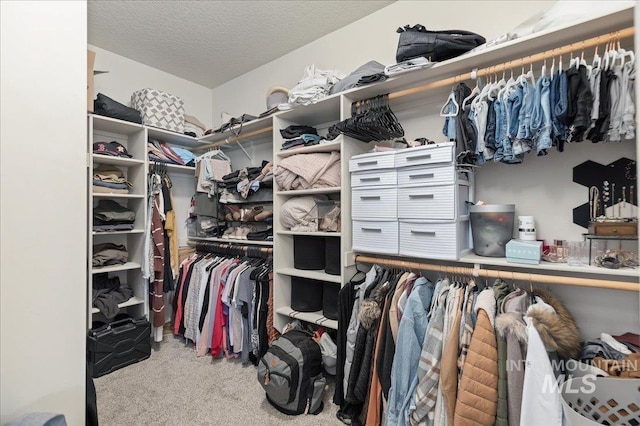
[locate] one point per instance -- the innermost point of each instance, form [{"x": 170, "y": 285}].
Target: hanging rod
[
  {"x": 234, "y": 139},
  {"x": 547, "y": 54},
  {"x": 490, "y": 273},
  {"x": 214, "y": 245}
]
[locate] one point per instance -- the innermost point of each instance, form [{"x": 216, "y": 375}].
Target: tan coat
[{"x": 477, "y": 400}]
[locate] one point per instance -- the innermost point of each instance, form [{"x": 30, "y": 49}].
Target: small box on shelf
[{"x": 520, "y": 251}]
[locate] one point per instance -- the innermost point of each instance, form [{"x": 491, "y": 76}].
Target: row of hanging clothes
[
  {"x": 504, "y": 119},
  {"x": 223, "y": 303},
  {"x": 160, "y": 255},
  {"x": 411, "y": 351}
]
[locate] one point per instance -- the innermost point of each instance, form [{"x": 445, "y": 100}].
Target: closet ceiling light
[{"x": 212, "y": 42}]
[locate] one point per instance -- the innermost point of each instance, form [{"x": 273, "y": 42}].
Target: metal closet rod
[
  {"x": 234, "y": 139},
  {"x": 547, "y": 54},
  {"x": 490, "y": 273}
]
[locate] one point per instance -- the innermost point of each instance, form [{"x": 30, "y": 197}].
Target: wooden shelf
[
  {"x": 116, "y": 161},
  {"x": 312, "y": 234},
  {"x": 335, "y": 145},
  {"x": 173, "y": 138},
  {"x": 131, "y": 302},
  {"x": 314, "y": 275},
  {"x": 229, "y": 241},
  {"x": 115, "y": 268},
  {"x": 133, "y": 231},
  {"x": 312, "y": 317},
  {"x": 313, "y": 191},
  {"x": 109, "y": 195},
  {"x": 112, "y": 125}
]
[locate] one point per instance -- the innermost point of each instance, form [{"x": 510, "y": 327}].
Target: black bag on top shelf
[{"x": 104, "y": 105}]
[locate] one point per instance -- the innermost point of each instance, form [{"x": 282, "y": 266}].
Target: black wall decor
[{"x": 621, "y": 173}]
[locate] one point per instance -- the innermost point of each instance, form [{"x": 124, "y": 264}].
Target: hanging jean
[
  {"x": 514, "y": 120},
  {"x": 524, "y": 135},
  {"x": 490, "y": 133},
  {"x": 541, "y": 117},
  {"x": 481, "y": 110},
  {"x": 449, "y": 128},
  {"x": 559, "y": 109},
  {"x": 504, "y": 149}
]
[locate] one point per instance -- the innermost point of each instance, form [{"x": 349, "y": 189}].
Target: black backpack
[{"x": 291, "y": 374}]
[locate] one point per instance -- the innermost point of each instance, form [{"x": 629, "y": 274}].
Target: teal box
[{"x": 520, "y": 251}]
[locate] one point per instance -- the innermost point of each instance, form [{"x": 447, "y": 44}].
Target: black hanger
[{"x": 358, "y": 271}]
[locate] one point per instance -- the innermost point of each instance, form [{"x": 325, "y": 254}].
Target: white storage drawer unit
[
  {"x": 427, "y": 175},
  {"x": 375, "y": 236},
  {"x": 374, "y": 178},
  {"x": 374, "y": 203},
  {"x": 427, "y": 202},
  {"x": 434, "y": 240},
  {"x": 427, "y": 154},
  {"x": 372, "y": 161}
]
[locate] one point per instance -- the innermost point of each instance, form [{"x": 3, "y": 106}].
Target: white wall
[
  {"x": 125, "y": 76},
  {"x": 370, "y": 38},
  {"x": 43, "y": 184}
]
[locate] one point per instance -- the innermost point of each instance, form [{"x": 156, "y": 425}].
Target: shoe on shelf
[
  {"x": 250, "y": 214},
  {"x": 229, "y": 232},
  {"x": 264, "y": 214}
]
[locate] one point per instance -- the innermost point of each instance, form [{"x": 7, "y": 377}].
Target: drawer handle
[
  {"x": 370, "y": 197},
  {"x": 418, "y": 196},
  {"x": 425, "y": 175},
  {"x": 371, "y": 179},
  {"x": 371, "y": 229},
  {"x": 427, "y": 233},
  {"x": 419, "y": 157},
  {"x": 368, "y": 163}
]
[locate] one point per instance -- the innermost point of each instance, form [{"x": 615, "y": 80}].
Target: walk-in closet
[{"x": 364, "y": 213}]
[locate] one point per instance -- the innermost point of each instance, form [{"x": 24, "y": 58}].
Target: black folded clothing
[
  {"x": 295, "y": 131},
  {"x": 260, "y": 235}
]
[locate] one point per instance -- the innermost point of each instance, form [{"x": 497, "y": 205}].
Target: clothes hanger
[
  {"x": 474, "y": 92},
  {"x": 451, "y": 100},
  {"x": 358, "y": 271}
]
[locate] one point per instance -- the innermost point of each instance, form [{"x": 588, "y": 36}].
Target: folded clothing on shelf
[
  {"x": 106, "y": 254},
  {"x": 304, "y": 171},
  {"x": 300, "y": 213},
  {"x": 108, "y": 215},
  {"x": 108, "y": 292},
  {"x": 161, "y": 152},
  {"x": 108, "y": 176},
  {"x": 302, "y": 140},
  {"x": 295, "y": 130}
]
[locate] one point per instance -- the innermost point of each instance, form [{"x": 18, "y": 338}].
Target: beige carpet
[{"x": 174, "y": 387}]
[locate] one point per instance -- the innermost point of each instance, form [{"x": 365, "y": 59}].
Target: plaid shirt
[
  {"x": 429, "y": 365},
  {"x": 466, "y": 328}
]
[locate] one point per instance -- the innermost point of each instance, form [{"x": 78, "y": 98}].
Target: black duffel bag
[
  {"x": 436, "y": 46},
  {"x": 104, "y": 105}
]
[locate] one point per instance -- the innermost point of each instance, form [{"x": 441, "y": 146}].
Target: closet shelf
[
  {"x": 133, "y": 231},
  {"x": 131, "y": 302},
  {"x": 116, "y": 161},
  {"x": 547, "y": 276},
  {"x": 313, "y": 191},
  {"x": 313, "y": 234},
  {"x": 550, "y": 266},
  {"x": 173, "y": 138},
  {"x": 312, "y": 317},
  {"x": 326, "y": 110},
  {"x": 322, "y": 147},
  {"x": 257, "y": 129},
  {"x": 176, "y": 168},
  {"x": 112, "y": 125},
  {"x": 108, "y": 195},
  {"x": 314, "y": 275},
  {"x": 229, "y": 241},
  {"x": 115, "y": 268}
]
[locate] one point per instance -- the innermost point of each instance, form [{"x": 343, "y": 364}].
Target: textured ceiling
[{"x": 212, "y": 42}]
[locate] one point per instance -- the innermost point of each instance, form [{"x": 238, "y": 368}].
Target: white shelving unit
[
  {"x": 233, "y": 241},
  {"x": 133, "y": 137}
]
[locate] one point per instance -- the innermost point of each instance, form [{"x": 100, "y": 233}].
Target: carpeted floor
[{"x": 174, "y": 387}]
